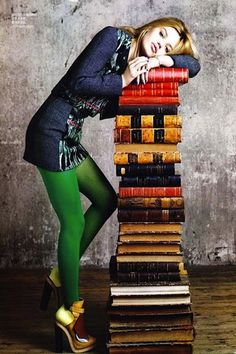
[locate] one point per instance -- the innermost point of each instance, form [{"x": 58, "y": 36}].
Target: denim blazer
[{"x": 94, "y": 83}]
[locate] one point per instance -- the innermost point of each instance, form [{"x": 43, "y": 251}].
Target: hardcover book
[
  {"x": 147, "y": 135},
  {"x": 148, "y": 100},
  {"x": 150, "y": 348},
  {"x": 151, "y": 202},
  {"x": 148, "y": 109},
  {"x": 144, "y": 228},
  {"x": 148, "y": 121},
  {"x": 152, "y": 335},
  {"x": 145, "y": 170},
  {"x": 148, "y": 192},
  {"x": 149, "y": 247},
  {"x": 121, "y": 158},
  {"x": 151, "y": 215}
]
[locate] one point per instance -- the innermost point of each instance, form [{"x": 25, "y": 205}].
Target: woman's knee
[
  {"x": 73, "y": 225},
  {"x": 109, "y": 201}
]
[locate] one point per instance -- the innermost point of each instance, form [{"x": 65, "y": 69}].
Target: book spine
[
  {"x": 145, "y": 170},
  {"x": 150, "y": 192},
  {"x": 153, "y": 86},
  {"x": 157, "y": 202},
  {"x": 168, "y": 75},
  {"x": 146, "y": 100},
  {"x": 146, "y": 267},
  {"x": 147, "y": 109},
  {"x": 151, "y": 215},
  {"x": 151, "y": 181},
  {"x": 149, "y": 348},
  {"x": 144, "y": 277},
  {"x": 147, "y": 135},
  {"x": 149, "y": 92},
  {"x": 121, "y": 158},
  {"x": 148, "y": 121}
]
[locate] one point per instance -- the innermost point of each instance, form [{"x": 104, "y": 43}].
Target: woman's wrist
[
  {"x": 165, "y": 60},
  {"x": 125, "y": 81}
]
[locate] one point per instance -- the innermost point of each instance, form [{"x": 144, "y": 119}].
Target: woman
[{"x": 92, "y": 85}]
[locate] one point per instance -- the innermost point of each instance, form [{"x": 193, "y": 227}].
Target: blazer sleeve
[
  {"x": 186, "y": 61},
  {"x": 85, "y": 76}
]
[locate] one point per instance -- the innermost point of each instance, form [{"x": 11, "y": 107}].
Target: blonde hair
[{"x": 185, "y": 46}]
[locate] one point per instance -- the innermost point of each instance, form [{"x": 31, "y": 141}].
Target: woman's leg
[
  {"x": 95, "y": 186},
  {"x": 64, "y": 194}
]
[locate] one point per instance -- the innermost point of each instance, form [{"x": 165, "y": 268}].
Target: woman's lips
[{"x": 154, "y": 48}]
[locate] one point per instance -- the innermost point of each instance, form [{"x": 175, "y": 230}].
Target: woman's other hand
[
  {"x": 164, "y": 60},
  {"x": 134, "y": 69}
]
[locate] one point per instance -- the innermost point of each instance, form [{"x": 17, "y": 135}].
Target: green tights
[{"x": 77, "y": 229}]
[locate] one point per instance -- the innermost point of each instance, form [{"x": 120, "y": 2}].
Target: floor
[{"x": 25, "y": 328}]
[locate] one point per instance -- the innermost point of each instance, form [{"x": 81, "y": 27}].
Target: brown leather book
[
  {"x": 125, "y": 248},
  {"x": 144, "y": 228},
  {"x": 147, "y": 135},
  {"x": 129, "y": 148},
  {"x": 150, "y": 348},
  {"x": 152, "y": 335},
  {"x": 121, "y": 158},
  {"x": 148, "y": 121},
  {"x": 155, "y": 202},
  {"x": 151, "y": 215}
]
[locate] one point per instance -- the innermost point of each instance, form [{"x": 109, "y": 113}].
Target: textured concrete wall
[{"x": 39, "y": 41}]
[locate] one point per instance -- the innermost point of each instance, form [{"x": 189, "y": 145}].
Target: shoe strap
[
  {"x": 76, "y": 312},
  {"x": 80, "y": 330}
]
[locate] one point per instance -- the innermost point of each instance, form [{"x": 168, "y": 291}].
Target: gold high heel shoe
[
  {"x": 71, "y": 322},
  {"x": 52, "y": 284}
]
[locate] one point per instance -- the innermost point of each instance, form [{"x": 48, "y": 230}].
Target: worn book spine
[
  {"x": 145, "y": 170},
  {"x": 139, "y": 277},
  {"x": 147, "y": 135},
  {"x": 151, "y": 215},
  {"x": 152, "y": 202},
  {"x": 150, "y": 92},
  {"x": 168, "y": 75},
  {"x": 146, "y": 267},
  {"x": 151, "y": 181},
  {"x": 148, "y": 100},
  {"x": 147, "y": 109},
  {"x": 121, "y": 158},
  {"x": 150, "y": 348},
  {"x": 148, "y": 121},
  {"x": 125, "y": 192},
  {"x": 153, "y": 86}
]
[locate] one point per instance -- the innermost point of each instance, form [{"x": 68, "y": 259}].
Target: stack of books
[{"x": 150, "y": 303}]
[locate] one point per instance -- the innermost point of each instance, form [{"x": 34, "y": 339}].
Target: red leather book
[
  {"x": 149, "y": 100},
  {"x": 150, "y": 192},
  {"x": 150, "y": 92},
  {"x": 153, "y": 86},
  {"x": 168, "y": 75}
]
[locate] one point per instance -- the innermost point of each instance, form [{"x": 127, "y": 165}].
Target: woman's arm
[
  {"x": 85, "y": 76},
  {"x": 181, "y": 61}
]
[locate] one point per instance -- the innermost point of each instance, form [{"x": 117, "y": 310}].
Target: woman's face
[{"x": 159, "y": 41}]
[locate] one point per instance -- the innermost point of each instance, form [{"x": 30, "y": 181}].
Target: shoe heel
[
  {"x": 58, "y": 339},
  {"x": 47, "y": 290}
]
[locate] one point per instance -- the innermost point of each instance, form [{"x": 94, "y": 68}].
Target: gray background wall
[{"x": 39, "y": 41}]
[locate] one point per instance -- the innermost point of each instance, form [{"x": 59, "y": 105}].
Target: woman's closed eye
[
  {"x": 162, "y": 34},
  {"x": 167, "y": 49}
]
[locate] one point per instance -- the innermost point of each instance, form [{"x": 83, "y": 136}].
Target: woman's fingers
[{"x": 140, "y": 75}]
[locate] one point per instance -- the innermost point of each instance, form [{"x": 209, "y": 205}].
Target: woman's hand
[
  {"x": 155, "y": 62},
  {"x": 152, "y": 63},
  {"x": 135, "y": 68}
]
